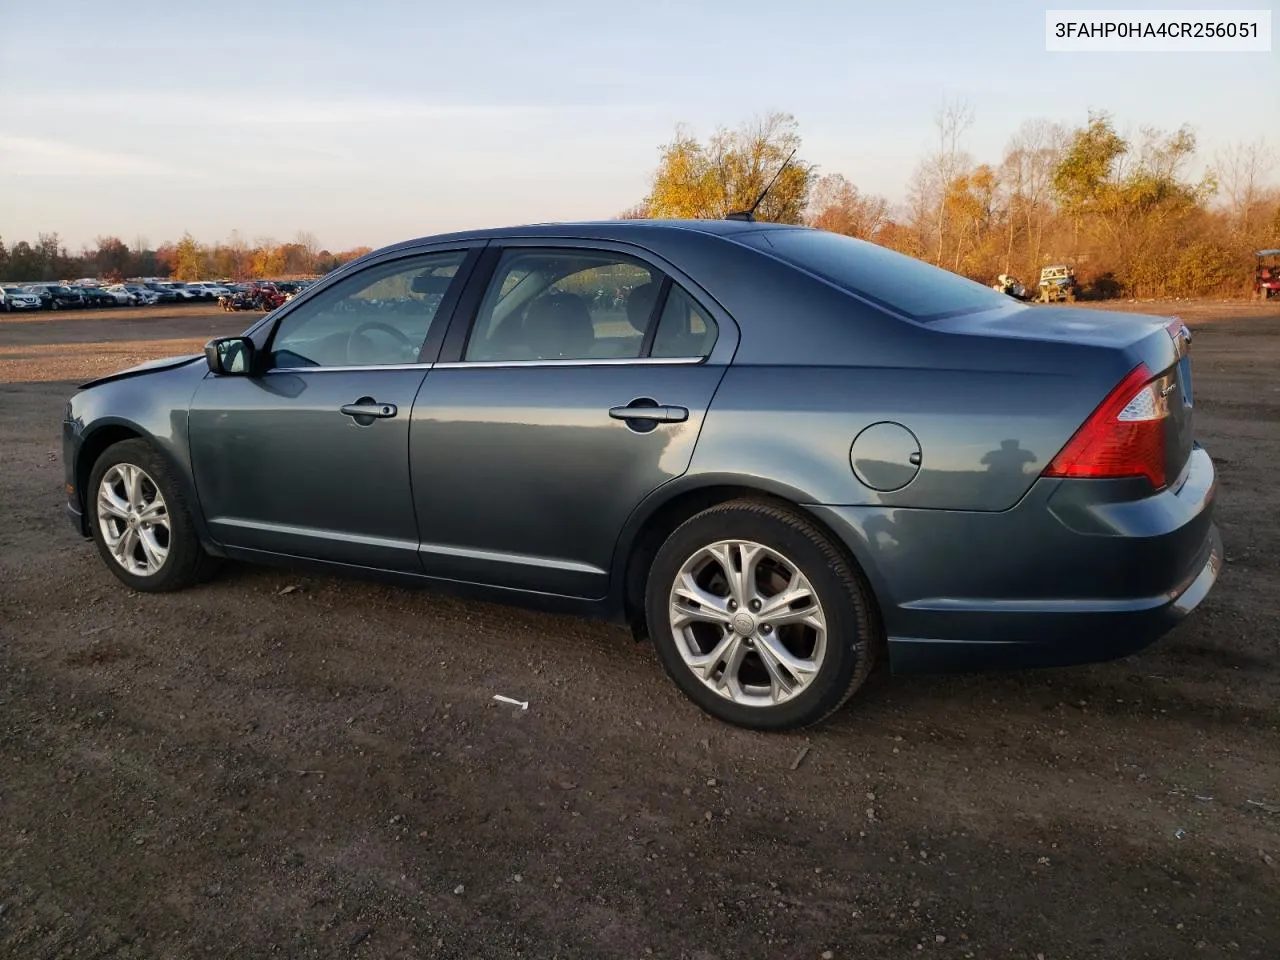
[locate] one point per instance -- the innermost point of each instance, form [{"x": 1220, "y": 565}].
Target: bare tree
[
  {"x": 310, "y": 247},
  {"x": 941, "y": 168},
  {"x": 1030, "y": 158},
  {"x": 1242, "y": 169}
]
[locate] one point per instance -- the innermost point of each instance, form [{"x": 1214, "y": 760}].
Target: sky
[{"x": 371, "y": 122}]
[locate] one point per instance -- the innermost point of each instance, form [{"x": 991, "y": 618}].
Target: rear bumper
[
  {"x": 1070, "y": 575},
  {"x": 1064, "y": 633}
]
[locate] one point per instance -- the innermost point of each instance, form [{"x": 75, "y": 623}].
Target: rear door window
[{"x": 563, "y": 305}]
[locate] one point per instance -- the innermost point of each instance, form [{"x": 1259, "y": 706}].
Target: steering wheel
[{"x": 398, "y": 335}]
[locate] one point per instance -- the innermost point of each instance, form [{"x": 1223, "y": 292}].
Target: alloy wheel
[
  {"x": 747, "y": 623},
  {"x": 134, "y": 519}
]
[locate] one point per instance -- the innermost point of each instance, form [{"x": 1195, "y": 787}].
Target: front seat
[{"x": 559, "y": 327}]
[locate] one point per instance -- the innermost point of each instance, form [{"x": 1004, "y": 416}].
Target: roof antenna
[{"x": 749, "y": 216}]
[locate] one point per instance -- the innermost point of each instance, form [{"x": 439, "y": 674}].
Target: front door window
[{"x": 380, "y": 316}]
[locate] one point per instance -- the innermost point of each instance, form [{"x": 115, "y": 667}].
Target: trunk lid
[{"x": 1162, "y": 343}]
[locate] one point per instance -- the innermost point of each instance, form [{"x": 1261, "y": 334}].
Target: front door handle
[
  {"x": 653, "y": 414},
  {"x": 368, "y": 408}
]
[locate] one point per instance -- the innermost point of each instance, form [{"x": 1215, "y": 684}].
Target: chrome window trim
[
  {"x": 352, "y": 369},
  {"x": 598, "y": 362},
  {"x": 501, "y": 364}
]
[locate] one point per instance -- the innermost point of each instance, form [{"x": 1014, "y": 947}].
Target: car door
[
  {"x": 309, "y": 455},
  {"x": 573, "y": 384}
]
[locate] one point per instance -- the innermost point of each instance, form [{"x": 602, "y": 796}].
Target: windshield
[{"x": 903, "y": 284}]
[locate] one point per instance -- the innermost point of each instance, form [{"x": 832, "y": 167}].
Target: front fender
[{"x": 152, "y": 405}]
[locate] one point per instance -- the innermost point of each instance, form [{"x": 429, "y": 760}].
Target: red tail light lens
[{"x": 1123, "y": 437}]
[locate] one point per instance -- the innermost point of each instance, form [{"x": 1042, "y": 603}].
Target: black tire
[
  {"x": 853, "y": 638},
  {"x": 187, "y": 562}
]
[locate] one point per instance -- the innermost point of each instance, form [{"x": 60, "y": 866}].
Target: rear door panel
[{"x": 521, "y": 479}]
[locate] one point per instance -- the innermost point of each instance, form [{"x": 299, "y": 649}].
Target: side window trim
[
  {"x": 436, "y": 332},
  {"x": 468, "y": 308},
  {"x": 655, "y": 317},
  {"x": 463, "y": 323}
]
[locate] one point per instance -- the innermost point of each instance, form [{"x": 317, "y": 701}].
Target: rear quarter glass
[{"x": 895, "y": 281}]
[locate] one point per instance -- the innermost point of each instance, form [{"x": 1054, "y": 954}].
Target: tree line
[
  {"x": 1123, "y": 210},
  {"x": 110, "y": 258}
]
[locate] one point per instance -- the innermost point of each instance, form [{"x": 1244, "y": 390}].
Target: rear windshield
[{"x": 903, "y": 284}]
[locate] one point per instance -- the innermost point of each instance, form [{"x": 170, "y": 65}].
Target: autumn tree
[
  {"x": 969, "y": 206},
  {"x": 188, "y": 259},
  {"x": 1131, "y": 202},
  {"x": 1082, "y": 176},
  {"x": 111, "y": 260},
  {"x": 296, "y": 259},
  {"x": 728, "y": 173},
  {"x": 837, "y": 205}
]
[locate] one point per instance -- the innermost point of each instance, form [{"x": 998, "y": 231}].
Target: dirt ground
[{"x": 285, "y": 765}]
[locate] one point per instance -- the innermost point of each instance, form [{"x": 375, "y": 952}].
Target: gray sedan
[{"x": 781, "y": 455}]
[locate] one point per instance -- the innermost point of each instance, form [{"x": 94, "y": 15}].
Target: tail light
[{"x": 1124, "y": 436}]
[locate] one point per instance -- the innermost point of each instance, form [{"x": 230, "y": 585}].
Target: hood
[{"x": 165, "y": 363}]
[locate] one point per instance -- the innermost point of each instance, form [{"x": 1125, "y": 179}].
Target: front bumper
[
  {"x": 70, "y": 453},
  {"x": 1067, "y": 576}
]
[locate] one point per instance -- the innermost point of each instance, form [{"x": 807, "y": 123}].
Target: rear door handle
[
  {"x": 368, "y": 408},
  {"x": 652, "y": 414}
]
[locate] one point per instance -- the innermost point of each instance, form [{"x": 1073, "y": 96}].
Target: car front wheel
[
  {"x": 140, "y": 521},
  {"x": 759, "y": 618}
]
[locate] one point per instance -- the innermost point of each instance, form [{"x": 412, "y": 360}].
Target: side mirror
[{"x": 230, "y": 356}]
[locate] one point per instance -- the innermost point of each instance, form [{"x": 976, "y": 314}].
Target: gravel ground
[{"x": 276, "y": 764}]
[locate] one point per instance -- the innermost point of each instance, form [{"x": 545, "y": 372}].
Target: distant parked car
[
  {"x": 120, "y": 295},
  {"x": 181, "y": 290},
  {"x": 786, "y": 456},
  {"x": 15, "y": 298},
  {"x": 143, "y": 296},
  {"x": 209, "y": 291},
  {"x": 96, "y": 297},
  {"x": 55, "y": 296},
  {"x": 190, "y": 291},
  {"x": 164, "y": 293}
]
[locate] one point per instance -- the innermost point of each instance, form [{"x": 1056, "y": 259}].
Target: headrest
[
  {"x": 640, "y": 305},
  {"x": 559, "y": 325}
]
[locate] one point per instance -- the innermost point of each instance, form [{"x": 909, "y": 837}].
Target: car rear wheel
[
  {"x": 759, "y": 618},
  {"x": 141, "y": 523}
]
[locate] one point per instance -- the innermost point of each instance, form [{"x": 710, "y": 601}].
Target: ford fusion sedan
[{"x": 781, "y": 455}]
